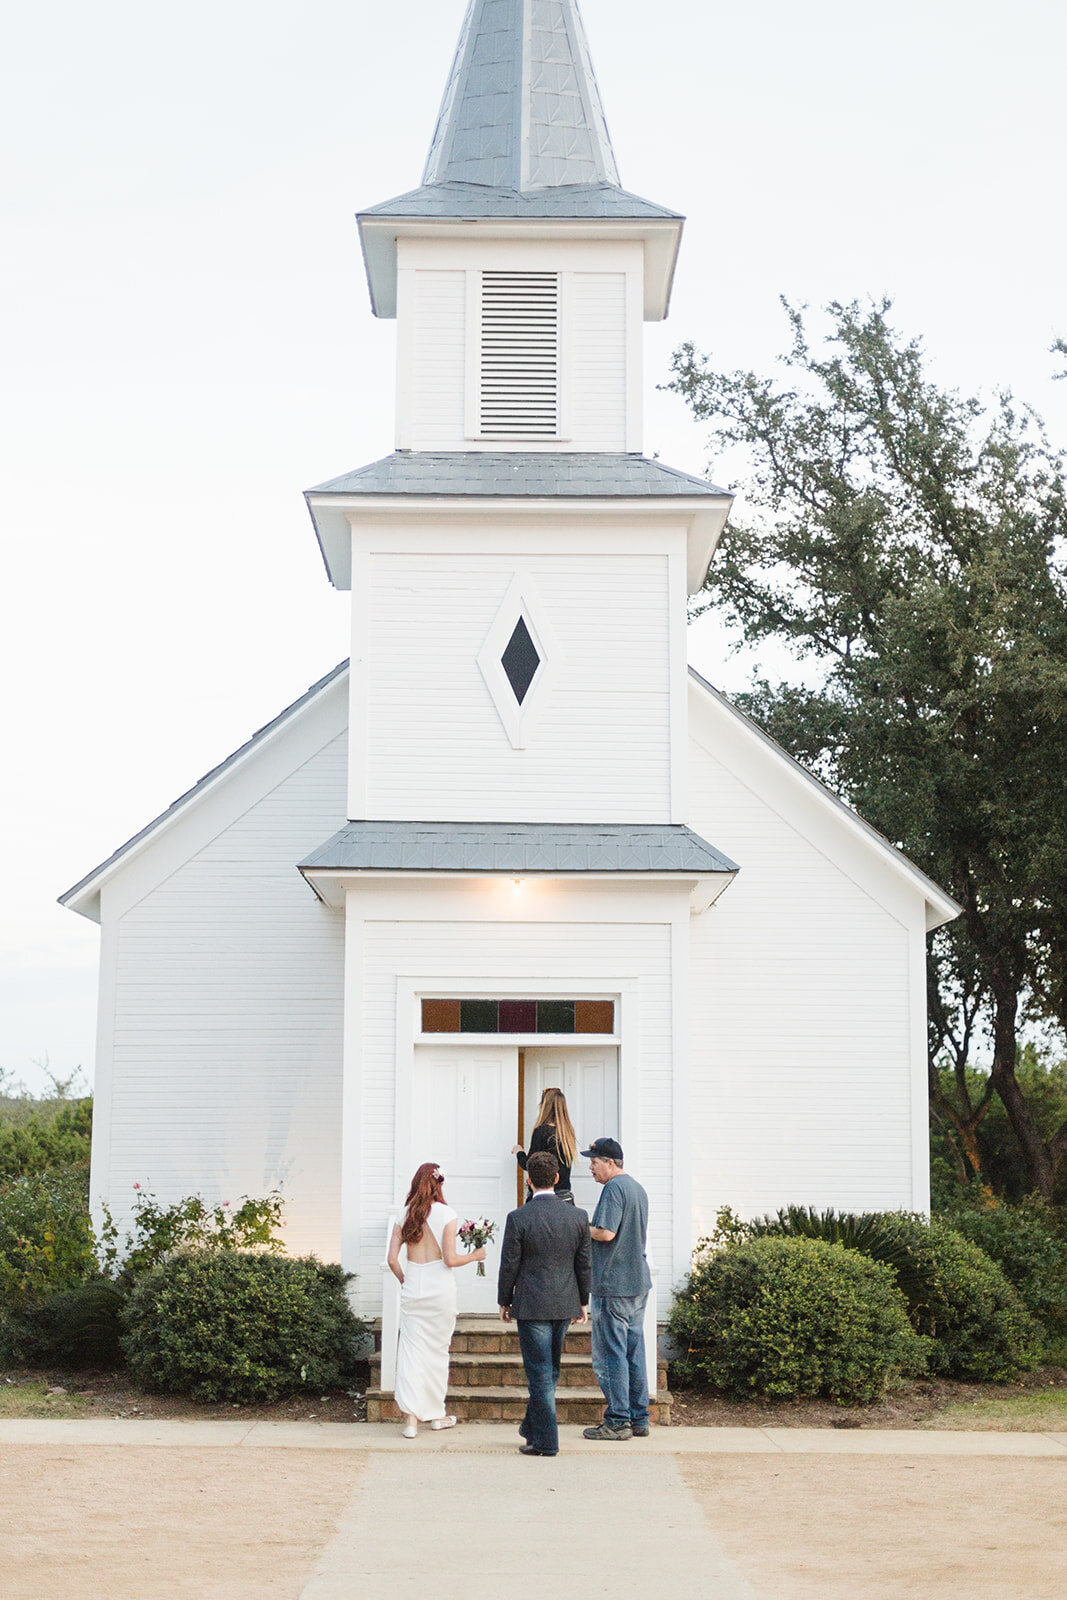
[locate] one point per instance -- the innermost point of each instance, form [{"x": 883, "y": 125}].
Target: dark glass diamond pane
[
  {"x": 520, "y": 660},
  {"x": 479, "y": 1016},
  {"x": 555, "y": 1016}
]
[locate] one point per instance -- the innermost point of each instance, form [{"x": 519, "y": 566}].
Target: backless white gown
[{"x": 427, "y": 1322}]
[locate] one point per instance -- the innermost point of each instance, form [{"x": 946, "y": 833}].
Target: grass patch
[
  {"x": 32, "y": 1399},
  {"x": 1036, "y": 1411}
]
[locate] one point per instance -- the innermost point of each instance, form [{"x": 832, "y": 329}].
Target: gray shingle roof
[
  {"x": 476, "y": 200},
  {"x": 477, "y": 473},
  {"x": 522, "y": 109},
  {"x": 518, "y": 847}
]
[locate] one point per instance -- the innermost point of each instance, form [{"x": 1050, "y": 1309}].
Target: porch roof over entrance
[
  {"x": 518, "y": 847},
  {"x": 521, "y": 849}
]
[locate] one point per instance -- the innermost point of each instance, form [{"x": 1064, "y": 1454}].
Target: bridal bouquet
[{"x": 474, "y": 1235}]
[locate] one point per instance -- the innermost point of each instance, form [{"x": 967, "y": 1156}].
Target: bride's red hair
[{"x": 427, "y": 1187}]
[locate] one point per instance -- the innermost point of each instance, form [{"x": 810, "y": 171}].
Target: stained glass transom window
[{"x": 518, "y": 1016}]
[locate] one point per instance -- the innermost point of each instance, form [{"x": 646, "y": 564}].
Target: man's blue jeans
[
  {"x": 619, "y": 1357},
  {"x": 541, "y": 1344}
]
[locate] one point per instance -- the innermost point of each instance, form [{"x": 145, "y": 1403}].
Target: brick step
[
  {"x": 505, "y": 1370},
  {"x": 498, "y": 1404},
  {"x": 487, "y": 1335}
]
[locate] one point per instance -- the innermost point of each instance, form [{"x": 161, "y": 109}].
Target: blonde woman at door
[
  {"x": 427, "y": 1235},
  {"x": 552, "y": 1131}
]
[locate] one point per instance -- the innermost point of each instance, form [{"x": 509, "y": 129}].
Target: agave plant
[{"x": 886, "y": 1236}]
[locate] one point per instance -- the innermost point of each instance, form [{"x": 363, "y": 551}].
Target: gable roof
[
  {"x": 88, "y": 886},
  {"x": 941, "y": 907}
]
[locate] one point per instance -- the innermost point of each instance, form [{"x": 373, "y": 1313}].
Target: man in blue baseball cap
[{"x": 620, "y": 1286}]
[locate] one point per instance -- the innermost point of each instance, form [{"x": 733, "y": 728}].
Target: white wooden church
[{"x": 516, "y": 841}]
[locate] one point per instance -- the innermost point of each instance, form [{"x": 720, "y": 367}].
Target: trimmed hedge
[
  {"x": 240, "y": 1326},
  {"x": 790, "y": 1318},
  {"x": 954, "y": 1293}
]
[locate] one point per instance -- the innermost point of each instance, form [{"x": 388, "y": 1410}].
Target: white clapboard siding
[
  {"x": 481, "y": 953},
  {"x": 599, "y": 750},
  {"x": 438, "y": 371},
  {"x": 226, "y": 1071},
  {"x": 596, "y": 326},
  {"x": 801, "y": 1060}
]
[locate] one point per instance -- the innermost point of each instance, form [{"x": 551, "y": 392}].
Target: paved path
[
  {"x": 493, "y": 1439},
  {"x": 478, "y": 1526}
]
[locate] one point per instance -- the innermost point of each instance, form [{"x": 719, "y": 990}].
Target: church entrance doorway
[{"x": 472, "y": 1102}]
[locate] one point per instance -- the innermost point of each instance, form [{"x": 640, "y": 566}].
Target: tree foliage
[{"x": 907, "y": 542}]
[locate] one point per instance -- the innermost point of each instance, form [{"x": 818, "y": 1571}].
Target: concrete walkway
[
  {"x": 495, "y": 1439},
  {"x": 478, "y": 1526}
]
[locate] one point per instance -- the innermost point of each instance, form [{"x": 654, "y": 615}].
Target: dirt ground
[
  {"x": 914, "y": 1404},
  {"x": 902, "y": 1528},
  {"x": 140, "y": 1524}
]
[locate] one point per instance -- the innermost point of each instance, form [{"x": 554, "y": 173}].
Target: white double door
[{"x": 466, "y": 1116}]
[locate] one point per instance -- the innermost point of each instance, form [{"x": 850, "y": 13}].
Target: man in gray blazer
[{"x": 544, "y": 1285}]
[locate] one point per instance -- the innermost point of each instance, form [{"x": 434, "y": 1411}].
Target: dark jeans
[
  {"x": 541, "y": 1344},
  {"x": 619, "y": 1357}
]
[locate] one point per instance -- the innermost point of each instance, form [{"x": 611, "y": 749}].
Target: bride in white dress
[{"x": 427, "y": 1235}]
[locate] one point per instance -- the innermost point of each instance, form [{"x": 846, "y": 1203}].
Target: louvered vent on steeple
[{"x": 519, "y": 373}]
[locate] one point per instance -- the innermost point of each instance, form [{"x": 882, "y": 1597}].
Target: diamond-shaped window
[{"x": 520, "y": 660}]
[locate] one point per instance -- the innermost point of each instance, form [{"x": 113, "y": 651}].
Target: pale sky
[{"x": 186, "y": 342}]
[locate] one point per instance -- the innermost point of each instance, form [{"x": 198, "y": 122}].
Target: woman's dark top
[{"x": 544, "y": 1138}]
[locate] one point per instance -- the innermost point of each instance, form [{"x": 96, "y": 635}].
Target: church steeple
[
  {"x": 522, "y": 109},
  {"x": 521, "y": 138}
]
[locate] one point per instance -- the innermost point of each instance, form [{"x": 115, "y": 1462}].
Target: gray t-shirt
[{"x": 619, "y": 1267}]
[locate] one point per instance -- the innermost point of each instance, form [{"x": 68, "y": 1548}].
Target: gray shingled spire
[
  {"x": 522, "y": 109},
  {"x": 521, "y": 135}
]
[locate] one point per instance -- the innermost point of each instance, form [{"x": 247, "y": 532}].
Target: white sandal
[
  {"x": 410, "y": 1430},
  {"x": 444, "y": 1422}
]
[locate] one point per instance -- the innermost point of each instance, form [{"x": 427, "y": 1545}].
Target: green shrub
[
  {"x": 788, "y": 1318},
  {"x": 77, "y": 1327},
  {"x": 954, "y": 1292},
  {"x": 158, "y": 1231},
  {"x": 46, "y": 1237},
  {"x": 47, "y": 1247},
  {"x": 231, "y": 1325},
  {"x": 1028, "y": 1242},
  {"x": 62, "y": 1284},
  {"x": 46, "y": 1139}
]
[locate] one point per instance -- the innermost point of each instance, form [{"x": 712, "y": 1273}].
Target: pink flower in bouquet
[{"x": 474, "y": 1235}]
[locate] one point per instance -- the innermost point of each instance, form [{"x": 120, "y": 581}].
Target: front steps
[{"x": 486, "y": 1382}]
